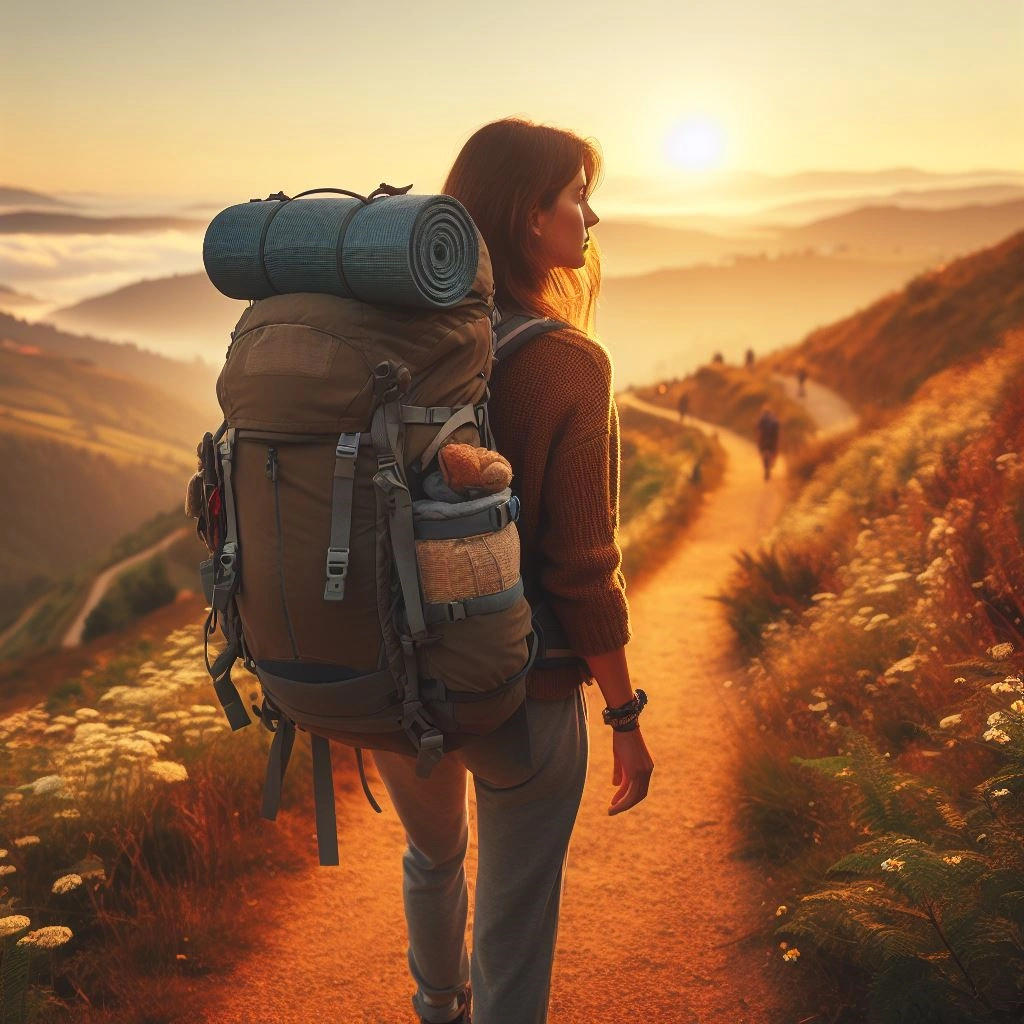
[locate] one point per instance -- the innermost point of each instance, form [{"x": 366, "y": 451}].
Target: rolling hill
[
  {"x": 178, "y": 314},
  {"x": 953, "y": 314},
  {"x": 27, "y": 197},
  {"x": 945, "y": 233},
  {"x": 34, "y": 222},
  {"x": 193, "y": 379},
  {"x": 90, "y": 455}
]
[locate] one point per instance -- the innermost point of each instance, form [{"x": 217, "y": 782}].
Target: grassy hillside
[
  {"x": 94, "y": 454},
  {"x": 190, "y": 381},
  {"x": 884, "y": 353},
  {"x": 884, "y": 786},
  {"x": 733, "y": 397}
]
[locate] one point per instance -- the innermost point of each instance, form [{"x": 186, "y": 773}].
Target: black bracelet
[{"x": 624, "y": 719}]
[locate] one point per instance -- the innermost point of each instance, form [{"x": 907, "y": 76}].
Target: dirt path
[
  {"x": 832, "y": 413},
  {"x": 333, "y": 948},
  {"x": 73, "y": 636}
]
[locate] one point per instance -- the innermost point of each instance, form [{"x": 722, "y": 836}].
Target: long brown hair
[{"x": 504, "y": 171}]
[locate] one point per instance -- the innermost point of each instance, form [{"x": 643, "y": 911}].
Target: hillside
[
  {"x": 194, "y": 379},
  {"x": 180, "y": 313},
  {"x": 884, "y": 353},
  {"x": 943, "y": 232},
  {"x": 91, "y": 455},
  {"x": 665, "y": 324}
]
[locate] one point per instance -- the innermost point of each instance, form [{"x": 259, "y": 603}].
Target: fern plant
[{"x": 931, "y": 904}]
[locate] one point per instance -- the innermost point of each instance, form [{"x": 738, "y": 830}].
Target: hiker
[
  {"x": 768, "y": 439},
  {"x": 527, "y": 188},
  {"x": 801, "y": 380},
  {"x": 749, "y": 359},
  {"x": 683, "y": 405}
]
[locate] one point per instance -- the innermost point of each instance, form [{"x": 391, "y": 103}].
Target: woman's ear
[{"x": 536, "y": 222}]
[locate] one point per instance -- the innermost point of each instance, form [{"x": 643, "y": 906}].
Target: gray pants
[{"x": 529, "y": 778}]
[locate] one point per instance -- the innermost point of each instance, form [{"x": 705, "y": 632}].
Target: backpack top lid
[{"x": 416, "y": 251}]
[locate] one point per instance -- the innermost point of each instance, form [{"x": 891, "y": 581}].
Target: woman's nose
[{"x": 589, "y": 217}]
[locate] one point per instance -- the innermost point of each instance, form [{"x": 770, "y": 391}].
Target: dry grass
[{"x": 922, "y": 523}]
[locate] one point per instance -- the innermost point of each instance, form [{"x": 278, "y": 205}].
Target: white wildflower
[
  {"x": 953, "y": 859},
  {"x": 1000, "y": 792},
  {"x": 791, "y": 955},
  {"x": 822, "y": 706},
  {"x": 7, "y": 869},
  {"x": 83, "y": 713},
  {"x": 47, "y": 784},
  {"x": 996, "y": 718},
  {"x": 153, "y": 737},
  {"x": 996, "y": 735},
  {"x": 168, "y": 771},
  {"x": 892, "y": 864},
  {"x": 1017, "y": 707},
  {"x": 949, "y": 721},
  {"x": 27, "y": 841},
  {"x": 13, "y": 924},
  {"x": 65, "y": 884},
  {"x": 47, "y": 938},
  {"x": 903, "y": 666},
  {"x": 1001, "y": 651},
  {"x": 1003, "y": 687},
  {"x": 897, "y": 577}
]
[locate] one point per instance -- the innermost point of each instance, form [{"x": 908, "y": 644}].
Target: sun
[{"x": 695, "y": 144}]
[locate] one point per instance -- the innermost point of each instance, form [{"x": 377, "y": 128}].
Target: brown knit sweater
[{"x": 554, "y": 419}]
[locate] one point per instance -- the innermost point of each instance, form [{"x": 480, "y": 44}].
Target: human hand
[{"x": 632, "y": 770}]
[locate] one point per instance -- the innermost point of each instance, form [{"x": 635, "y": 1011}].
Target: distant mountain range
[
  {"x": 761, "y": 290},
  {"x": 180, "y": 314},
  {"x": 27, "y": 197},
  {"x": 883, "y": 354},
  {"x": 11, "y": 299},
  {"x": 31, "y": 222}
]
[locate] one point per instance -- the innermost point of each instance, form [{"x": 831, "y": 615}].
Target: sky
[{"x": 211, "y": 101}]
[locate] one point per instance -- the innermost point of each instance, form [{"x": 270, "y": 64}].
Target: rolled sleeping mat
[{"x": 406, "y": 250}]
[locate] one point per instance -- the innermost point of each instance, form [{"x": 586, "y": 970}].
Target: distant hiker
[
  {"x": 718, "y": 359},
  {"x": 554, "y": 418},
  {"x": 801, "y": 380},
  {"x": 683, "y": 405},
  {"x": 768, "y": 439},
  {"x": 749, "y": 359}
]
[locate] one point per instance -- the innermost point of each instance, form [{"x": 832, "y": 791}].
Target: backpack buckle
[
  {"x": 455, "y": 611},
  {"x": 337, "y": 570}
]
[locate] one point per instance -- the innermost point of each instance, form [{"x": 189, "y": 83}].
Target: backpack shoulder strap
[{"x": 512, "y": 332}]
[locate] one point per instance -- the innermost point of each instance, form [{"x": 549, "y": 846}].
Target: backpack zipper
[{"x": 272, "y": 475}]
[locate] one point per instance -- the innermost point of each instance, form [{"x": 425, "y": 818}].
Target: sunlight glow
[{"x": 696, "y": 144}]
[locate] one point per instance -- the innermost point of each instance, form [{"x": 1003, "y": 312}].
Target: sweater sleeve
[{"x": 581, "y": 563}]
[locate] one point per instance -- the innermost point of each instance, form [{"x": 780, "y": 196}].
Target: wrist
[{"x": 625, "y": 718}]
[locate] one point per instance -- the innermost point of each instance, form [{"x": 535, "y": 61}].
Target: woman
[{"x": 527, "y": 187}]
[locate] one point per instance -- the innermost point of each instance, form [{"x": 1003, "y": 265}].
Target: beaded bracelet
[{"x": 626, "y": 718}]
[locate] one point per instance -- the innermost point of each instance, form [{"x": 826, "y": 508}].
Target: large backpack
[{"x": 370, "y": 613}]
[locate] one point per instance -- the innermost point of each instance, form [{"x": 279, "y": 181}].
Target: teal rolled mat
[{"x": 402, "y": 250}]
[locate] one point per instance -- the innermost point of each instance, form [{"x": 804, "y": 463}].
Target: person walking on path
[
  {"x": 801, "y": 381},
  {"x": 553, "y": 415},
  {"x": 683, "y": 405},
  {"x": 768, "y": 439}
]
